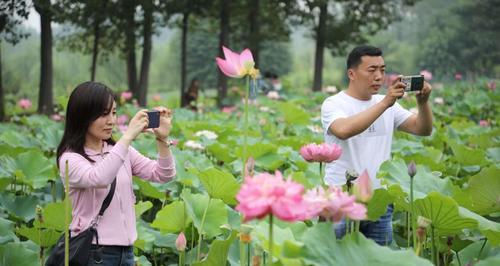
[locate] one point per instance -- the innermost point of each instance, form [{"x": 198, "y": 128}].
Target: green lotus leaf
[
  {"x": 219, "y": 249},
  {"x": 171, "y": 218},
  {"x": 148, "y": 189},
  {"x": 141, "y": 207},
  {"x": 377, "y": 206},
  {"x": 220, "y": 185},
  {"x": 444, "y": 214},
  {"x": 208, "y": 214},
  {"x": 321, "y": 248},
  {"x": 482, "y": 194},
  {"x": 16, "y": 254},
  {"x": 22, "y": 207},
  {"x": 395, "y": 173}
]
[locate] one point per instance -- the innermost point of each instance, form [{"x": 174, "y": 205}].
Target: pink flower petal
[
  {"x": 363, "y": 187},
  {"x": 227, "y": 68},
  {"x": 247, "y": 58},
  {"x": 233, "y": 59}
]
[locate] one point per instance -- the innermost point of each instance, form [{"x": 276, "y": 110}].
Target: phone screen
[
  {"x": 154, "y": 119},
  {"x": 417, "y": 83}
]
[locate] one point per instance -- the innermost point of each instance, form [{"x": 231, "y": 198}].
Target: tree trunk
[
  {"x": 95, "y": 50},
  {"x": 184, "y": 56},
  {"x": 45, "y": 94},
  {"x": 254, "y": 38},
  {"x": 146, "y": 53},
  {"x": 320, "y": 47},
  {"x": 130, "y": 49},
  {"x": 223, "y": 40},
  {"x": 2, "y": 98}
]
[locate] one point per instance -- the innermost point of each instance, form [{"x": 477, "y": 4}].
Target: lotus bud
[
  {"x": 412, "y": 169},
  {"x": 180, "y": 242},
  {"x": 423, "y": 222},
  {"x": 245, "y": 236}
]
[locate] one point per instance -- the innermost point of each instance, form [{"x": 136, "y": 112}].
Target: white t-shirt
[{"x": 366, "y": 150}]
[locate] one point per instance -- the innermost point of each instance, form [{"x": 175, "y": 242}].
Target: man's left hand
[{"x": 423, "y": 95}]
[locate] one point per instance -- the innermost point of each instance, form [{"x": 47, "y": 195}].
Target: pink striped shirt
[{"x": 90, "y": 182}]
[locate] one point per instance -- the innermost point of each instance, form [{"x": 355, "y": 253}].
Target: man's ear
[{"x": 350, "y": 74}]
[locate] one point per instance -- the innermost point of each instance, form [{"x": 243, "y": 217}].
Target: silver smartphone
[{"x": 413, "y": 83}]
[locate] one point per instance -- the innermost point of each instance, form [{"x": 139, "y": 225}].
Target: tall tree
[
  {"x": 189, "y": 11},
  {"x": 45, "y": 101},
  {"x": 12, "y": 13},
  {"x": 88, "y": 19},
  {"x": 266, "y": 21},
  {"x": 465, "y": 35},
  {"x": 320, "y": 45},
  {"x": 125, "y": 15},
  {"x": 147, "y": 32},
  {"x": 223, "y": 41},
  {"x": 184, "y": 29},
  {"x": 338, "y": 24},
  {"x": 129, "y": 7},
  {"x": 253, "y": 19}
]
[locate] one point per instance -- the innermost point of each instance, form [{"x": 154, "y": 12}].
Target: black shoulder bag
[{"x": 79, "y": 246}]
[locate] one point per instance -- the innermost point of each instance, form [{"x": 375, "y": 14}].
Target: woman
[
  {"x": 191, "y": 96},
  {"x": 95, "y": 159}
]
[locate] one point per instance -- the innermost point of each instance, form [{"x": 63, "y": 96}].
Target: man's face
[{"x": 369, "y": 75}]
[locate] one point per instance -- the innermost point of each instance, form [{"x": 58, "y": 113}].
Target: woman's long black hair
[{"x": 87, "y": 102}]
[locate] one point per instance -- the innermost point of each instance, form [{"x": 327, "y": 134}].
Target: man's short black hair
[{"x": 354, "y": 57}]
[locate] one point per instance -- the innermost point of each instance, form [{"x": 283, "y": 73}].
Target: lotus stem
[
  {"x": 200, "y": 238},
  {"x": 245, "y": 127},
  {"x": 271, "y": 243}
]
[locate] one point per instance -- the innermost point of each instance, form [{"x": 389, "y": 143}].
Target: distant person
[
  {"x": 276, "y": 82},
  {"x": 96, "y": 160},
  {"x": 265, "y": 83},
  {"x": 191, "y": 95},
  {"x": 362, "y": 122}
]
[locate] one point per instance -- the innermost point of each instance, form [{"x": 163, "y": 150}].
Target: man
[{"x": 362, "y": 122}]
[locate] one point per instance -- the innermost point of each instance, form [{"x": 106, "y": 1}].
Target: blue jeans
[
  {"x": 111, "y": 256},
  {"x": 380, "y": 231}
]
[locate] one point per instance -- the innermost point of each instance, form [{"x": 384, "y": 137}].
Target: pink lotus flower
[
  {"x": 24, "y": 103},
  {"x": 492, "y": 85},
  {"x": 484, "y": 123},
  {"x": 363, "y": 188},
  {"x": 126, "y": 95},
  {"x": 330, "y": 89},
  {"x": 324, "y": 152},
  {"x": 266, "y": 194},
  {"x": 180, "y": 242},
  {"x": 427, "y": 74},
  {"x": 438, "y": 100},
  {"x": 237, "y": 65},
  {"x": 273, "y": 95},
  {"x": 157, "y": 97},
  {"x": 333, "y": 204},
  {"x": 121, "y": 121},
  {"x": 389, "y": 79},
  {"x": 56, "y": 117},
  {"x": 458, "y": 76},
  {"x": 228, "y": 109}
]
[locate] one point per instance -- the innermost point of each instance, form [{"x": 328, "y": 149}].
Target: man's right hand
[{"x": 394, "y": 92}]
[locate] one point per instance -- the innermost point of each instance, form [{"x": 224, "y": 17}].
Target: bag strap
[{"x": 109, "y": 197}]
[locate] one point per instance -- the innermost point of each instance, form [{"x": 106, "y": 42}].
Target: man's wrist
[
  {"x": 422, "y": 103},
  {"x": 166, "y": 141},
  {"x": 384, "y": 104}
]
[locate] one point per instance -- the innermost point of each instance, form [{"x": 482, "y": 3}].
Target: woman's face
[{"x": 102, "y": 127}]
